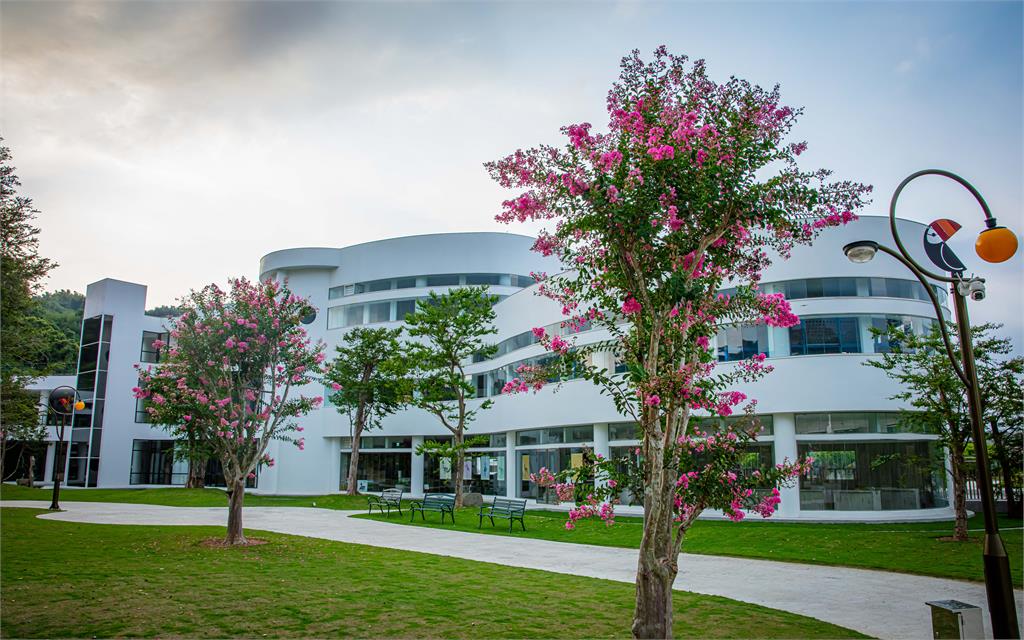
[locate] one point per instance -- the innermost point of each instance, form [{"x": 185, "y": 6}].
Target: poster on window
[
  {"x": 445, "y": 469},
  {"x": 467, "y": 468},
  {"x": 526, "y": 467},
  {"x": 576, "y": 460}
]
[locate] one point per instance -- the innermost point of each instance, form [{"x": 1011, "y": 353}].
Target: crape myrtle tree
[
  {"x": 938, "y": 399},
  {"x": 232, "y": 377},
  {"x": 693, "y": 188},
  {"x": 447, "y": 331},
  {"x": 369, "y": 377}
]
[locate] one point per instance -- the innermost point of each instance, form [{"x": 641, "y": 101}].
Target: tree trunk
[
  {"x": 658, "y": 562},
  {"x": 459, "y": 469},
  {"x": 196, "y": 473},
  {"x": 1013, "y": 506},
  {"x": 236, "y": 496},
  {"x": 353, "y": 462},
  {"x": 959, "y": 496}
]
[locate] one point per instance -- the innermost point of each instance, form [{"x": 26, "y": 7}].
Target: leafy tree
[
  {"x": 369, "y": 376},
  {"x": 693, "y": 188},
  {"x": 64, "y": 310},
  {"x": 233, "y": 377},
  {"x": 164, "y": 311},
  {"x": 1002, "y": 395},
  {"x": 929, "y": 384},
  {"x": 450, "y": 329},
  {"x": 28, "y": 343}
]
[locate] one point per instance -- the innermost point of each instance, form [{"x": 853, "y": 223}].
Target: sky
[{"x": 174, "y": 144}]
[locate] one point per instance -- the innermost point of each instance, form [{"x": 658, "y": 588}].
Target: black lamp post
[
  {"x": 63, "y": 402},
  {"x": 994, "y": 244}
]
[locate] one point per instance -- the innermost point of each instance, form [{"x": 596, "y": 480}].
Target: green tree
[
  {"x": 1002, "y": 392},
  {"x": 26, "y": 341},
  {"x": 369, "y": 376},
  {"x": 64, "y": 310},
  {"x": 450, "y": 329},
  {"x": 937, "y": 396},
  {"x": 165, "y": 311}
]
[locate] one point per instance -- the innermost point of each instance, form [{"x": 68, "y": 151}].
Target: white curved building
[{"x": 821, "y": 400}]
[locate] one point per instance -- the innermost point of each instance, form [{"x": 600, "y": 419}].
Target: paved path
[{"x": 878, "y": 603}]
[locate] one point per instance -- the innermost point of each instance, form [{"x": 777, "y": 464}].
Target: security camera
[
  {"x": 977, "y": 290},
  {"x": 973, "y": 288}
]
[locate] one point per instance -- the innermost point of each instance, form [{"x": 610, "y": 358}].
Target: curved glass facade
[{"x": 433, "y": 280}]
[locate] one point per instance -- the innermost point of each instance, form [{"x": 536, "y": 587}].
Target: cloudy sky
[{"x": 173, "y": 144}]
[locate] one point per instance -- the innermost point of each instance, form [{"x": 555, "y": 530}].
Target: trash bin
[{"x": 955, "y": 620}]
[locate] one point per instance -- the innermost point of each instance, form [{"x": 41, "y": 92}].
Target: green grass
[
  {"x": 179, "y": 497},
  {"x": 907, "y": 548},
  {"x": 63, "y": 579}
]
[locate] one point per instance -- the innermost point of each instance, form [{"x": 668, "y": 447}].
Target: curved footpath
[{"x": 878, "y": 603}]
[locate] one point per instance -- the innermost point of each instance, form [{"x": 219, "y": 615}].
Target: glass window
[
  {"x": 624, "y": 431},
  {"x": 378, "y": 285},
  {"x": 380, "y": 312},
  {"x": 528, "y": 437},
  {"x": 523, "y": 281},
  {"x": 483, "y": 278},
  {"x": 404, "y": 308},
  {"x": 353, "y": 315},
  {"x": 580, "y": 434},
  {"x": 405, "y": 283},
  {"x": 91, "y": 330},
  {"x": 335, "y": 292},
  {"x": 811, "y": 423},
  {"x": 825, "y": 335},
  {"x": 873, "y": 476},
  {"x": 443, "y": 280},
  {"x": 379, "y": 470},
  {"x": 740, "y": 343},
  {"x": 149, "y": 352}
]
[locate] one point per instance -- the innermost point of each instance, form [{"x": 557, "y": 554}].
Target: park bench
[
  {"x": 441, "y": 502},
  {"x": 507, "y": 508},
  {"x": 388, "y": 498}
]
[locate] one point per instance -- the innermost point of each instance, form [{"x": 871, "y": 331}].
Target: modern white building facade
[{"x": 821, "y": 400}]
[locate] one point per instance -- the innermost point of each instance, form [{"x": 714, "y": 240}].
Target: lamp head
[
  {"x": 861, "y": 251},
  {"x": 996, "y": 244}
]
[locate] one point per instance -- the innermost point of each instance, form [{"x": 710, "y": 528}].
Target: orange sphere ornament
[
  {"x": 997, "y": 244},
  {"x": 79, "y": 405}
]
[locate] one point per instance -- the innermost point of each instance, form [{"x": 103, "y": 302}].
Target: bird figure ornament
[{"x": 935, "y": 237}]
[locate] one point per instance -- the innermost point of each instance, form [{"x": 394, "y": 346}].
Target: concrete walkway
[{"x": 878, "y": 603}]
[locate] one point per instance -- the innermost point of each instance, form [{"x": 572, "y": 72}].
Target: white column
[
  {"x": 416, "y": 469},
  {"x": 601, "y": 447},
  {"x": 511, "y": 466},
  {"x": 784, "y": 429},
  {"x": 51, "y": 455}
]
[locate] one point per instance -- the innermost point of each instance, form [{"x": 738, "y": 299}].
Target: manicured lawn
[
  {"x": 178, "y": 497},
  {"x": 907, "y": 548},
  {"x": 64, "y": 579}
]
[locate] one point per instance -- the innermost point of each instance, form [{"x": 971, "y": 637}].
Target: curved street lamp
[
  {"x": 64, "y": 401},
  {"x": 994, "y": 244}
]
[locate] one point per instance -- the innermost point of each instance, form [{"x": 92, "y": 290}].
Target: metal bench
[
  {"x": 507, "y": 508},
  {"x": 388, "y": 498},
  {"x": 440, "y": 502}
]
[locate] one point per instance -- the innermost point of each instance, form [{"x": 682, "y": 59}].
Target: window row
[
  {"x": 851, "y": 287},
  {"x": 631, "y": 430},
  {"x": 854, "y": 422},
  {"x": 435, "y": 280},
  {"x": 354, "y": 315}
]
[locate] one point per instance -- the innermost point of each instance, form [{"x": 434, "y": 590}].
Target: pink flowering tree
[
  {"x": 232, "y": 376},
  {"x": 693, "y": 188}
]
